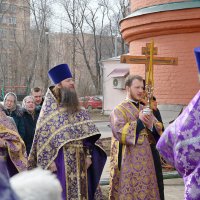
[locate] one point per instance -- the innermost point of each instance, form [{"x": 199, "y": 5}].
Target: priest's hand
[
  {"x": 147, "y": 119},
  {"x": 52, "y": 167},
  {"x": 2, "y": 143},
  {"x": 88, "y": 161}
]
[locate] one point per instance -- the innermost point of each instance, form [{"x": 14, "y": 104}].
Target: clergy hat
[
  {"x": 59, "y": 73},
  {"x": 197, "y": 54}
]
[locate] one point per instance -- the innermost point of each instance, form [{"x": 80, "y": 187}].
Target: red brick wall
[
  {"x": 137, "y": 4},
  {"x": 173, "y": 84}
]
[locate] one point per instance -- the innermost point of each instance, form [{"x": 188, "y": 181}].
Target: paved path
[{"x": 104, "y": 129}]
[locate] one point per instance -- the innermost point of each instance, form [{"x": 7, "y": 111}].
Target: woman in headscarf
[
  {"x": 14, "y": 110},
  {"x": 30, "y": 117},
  {"x": 13, "y": 157}
]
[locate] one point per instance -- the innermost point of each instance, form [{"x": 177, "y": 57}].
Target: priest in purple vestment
[
  {"x": 65, "y": 140},
  {"x": 132, "y": 169},
  {"x": 13, "y": 157},
  {"x": 180, "y": 144}
]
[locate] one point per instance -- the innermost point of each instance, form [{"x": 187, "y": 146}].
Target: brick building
[
  {"x": 14, "y": 23},
  {"x": 175, "y": 27}
]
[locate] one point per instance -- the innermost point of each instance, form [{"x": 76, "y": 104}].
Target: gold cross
[{"x": 149, "y": 59}]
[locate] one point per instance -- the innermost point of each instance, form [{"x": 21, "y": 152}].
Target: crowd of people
[{"x": 58, "y": 136}]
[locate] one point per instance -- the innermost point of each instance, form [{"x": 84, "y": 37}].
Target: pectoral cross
[{"x": 149, "y": 60}]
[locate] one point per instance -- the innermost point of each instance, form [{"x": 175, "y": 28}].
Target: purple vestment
[
  {"x": 65, "y": 138},
  {"x": 6, "y": 192},
  {"x": 13, "y": 155},
  {"x": 136, "y": 179},
  {"x": 180, "y": 146}
]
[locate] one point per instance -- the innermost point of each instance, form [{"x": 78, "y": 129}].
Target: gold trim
[
  {"x": 4, "y": 129},
  {"x": 142, "y": 135},
  {"x": 44, "y": 121},
  {"x": 132, "y": 105},
  {"x": 123, "y": 150},
  {"x": 101, "y": 148},
  {"x": 160, "y": 126},
  {"x": 63, "y": 127},
  {"x": 65, "y": 166},
  {"x": 21, "y": 155},
  {"x": 78, "y": 171},
  {"x": 53, "y": 158},
  {"x": 134, "y": 134},
  {"x": 124, "y": 133},
  {"x": 123, "y": 113}
]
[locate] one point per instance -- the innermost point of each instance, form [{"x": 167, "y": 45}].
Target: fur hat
[
  {"x": 36, "y": 184},
  {"x": 59, "y": 73}
]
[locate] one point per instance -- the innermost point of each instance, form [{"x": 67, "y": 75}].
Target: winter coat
[
  {"x": 17, "y": 116},
  {"x": 30, "y": 122}
]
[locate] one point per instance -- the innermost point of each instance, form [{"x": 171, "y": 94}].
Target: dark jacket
[
  {"x": 30, "y": 125},
  {"x": 158, "y": 117},
  {"x": 17, "y": 116}
]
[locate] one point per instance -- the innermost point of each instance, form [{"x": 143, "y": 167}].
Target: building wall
[
  {"x": 173, "y": 84},
  {"x": 137, "y": 4},
  {"x": 175, "y": 33},
  {"x": 14, "y": 20},
  {"x": 111, "y": 96}
]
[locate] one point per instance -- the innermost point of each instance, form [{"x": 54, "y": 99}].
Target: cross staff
[{"x": 149, "y": 60}]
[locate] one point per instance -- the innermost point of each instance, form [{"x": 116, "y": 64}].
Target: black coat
[
  {"x": 30, "y": 125},
  {"x": 17, "y": 116}
]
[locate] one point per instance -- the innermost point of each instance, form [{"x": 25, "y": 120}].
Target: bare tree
[
  {"x": 41, "y": 12},
  {"x": 114, "y": 15},
  {"x": 72, "y": 8}
]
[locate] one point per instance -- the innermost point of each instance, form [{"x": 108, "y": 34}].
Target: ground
[{"x": 97, "y": 115}]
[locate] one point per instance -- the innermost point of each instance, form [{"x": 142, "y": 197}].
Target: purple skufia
[
  {"x": 59, "y": 73},
  {"x": 197, "y": 55}
]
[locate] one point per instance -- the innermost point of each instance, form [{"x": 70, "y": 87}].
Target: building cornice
[{"x": 165, "y": 19}]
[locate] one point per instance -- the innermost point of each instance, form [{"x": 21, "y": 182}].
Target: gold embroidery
[
  {"x": 123, "y": 113},
  {"x": 2, "y": 128},
  {"x": 65, "y": 165},
  {"x": 82, "y": 175},
  {"x": 142, "y": 136},
  {"x": 59, "y": 130},
  {"x": 134, "y": 133},
  {"x": 78, "y": 171},
  {"x": 72, "y": 176},
  {"x": 124, "y": 133},
  {"x": 159, "y": 127}
]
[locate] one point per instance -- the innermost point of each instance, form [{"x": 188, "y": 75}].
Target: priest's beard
[
  {"x": 69, "y": 100},
  {"x": 132, "y": 96}
]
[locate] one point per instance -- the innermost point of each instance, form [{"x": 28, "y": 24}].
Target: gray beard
[{"x": 69, "y": 100}]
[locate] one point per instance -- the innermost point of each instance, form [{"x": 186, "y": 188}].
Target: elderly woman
[
  {"x": 13, "y": 157},
  {"x": 13, "y": 110},
  {"x": 30, "y": 117}
]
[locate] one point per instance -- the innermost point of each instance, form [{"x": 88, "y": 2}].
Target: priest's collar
[{"x": 131, "y": 100}]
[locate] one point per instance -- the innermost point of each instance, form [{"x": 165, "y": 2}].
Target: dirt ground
[{"x": 96, "y": 115}]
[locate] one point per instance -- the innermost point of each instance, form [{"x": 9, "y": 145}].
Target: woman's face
[
  {"x": 30, "y": 104},
  {"x": 9, "y": 102}
]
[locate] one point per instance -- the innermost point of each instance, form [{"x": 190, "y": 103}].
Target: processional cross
[{"x": 149, "y": 60}]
